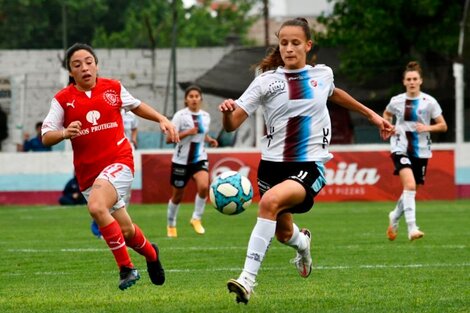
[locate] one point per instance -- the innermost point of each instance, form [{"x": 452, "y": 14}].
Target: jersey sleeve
[
  {"x": 436, "y": 109},
  {"x": 128, "y": 101},
  {"x": 176, "y": 120},
  {"x": 391, "y": 106},
  {"x": 54, "y": 119},
  {"x": 251, "y": 98}
]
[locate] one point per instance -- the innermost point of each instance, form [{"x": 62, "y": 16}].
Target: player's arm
[
  {"x": 211, "y": 141},
  {"x": 146, "y": 111},
  {"x": 232, "y": 115},
  {"x": 345, "y": 100},
  {"x": 387, "y": 115},
  {"x": 439, "y": 126}
]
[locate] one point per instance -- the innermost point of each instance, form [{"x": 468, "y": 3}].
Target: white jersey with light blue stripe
[
  {"x": 297, "y": 121},
  {"x": 409, "y": 111},
  {"x": 191, "y": 149}
]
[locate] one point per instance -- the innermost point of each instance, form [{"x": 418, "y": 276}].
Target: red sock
[
  {"x": 141, "y": 245},
  {"x": 113, "y": 236}
]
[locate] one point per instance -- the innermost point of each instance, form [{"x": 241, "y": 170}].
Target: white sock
[
  {"x": 398, "y": 211},
  {"x": 409, "y": 206},
  {"x": 199, "y": 205},
  {"x": 298, "y": 240},
  {"x": 260, "y": 240},
  {"x": 172, "y": 213}
]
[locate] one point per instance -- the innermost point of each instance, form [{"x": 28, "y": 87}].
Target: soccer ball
[{"x": 231, "y": 193}]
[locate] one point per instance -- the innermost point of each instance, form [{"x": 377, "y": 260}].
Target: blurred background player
[
  {"x": 291, "y": 171},
  {"x": 88, "y": 112},
  {"x": 131, "y": 124},
  {"x": 34, "y": 144},
  {"x": 411, "y": 144},
  {"x": 190, "y": 159},
  {"x": 71, "y": 194}
]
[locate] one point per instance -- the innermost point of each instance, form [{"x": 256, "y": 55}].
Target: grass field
[{"x": 50, "y": 262}]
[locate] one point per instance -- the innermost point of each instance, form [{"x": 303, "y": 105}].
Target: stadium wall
[{"x": 38, "y": 178}]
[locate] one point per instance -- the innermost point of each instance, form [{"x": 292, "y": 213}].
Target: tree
[
  {"x": 199, "y": 25},
  {"x": 38, "y": 24},
  {"x": 376, "y": 36}
]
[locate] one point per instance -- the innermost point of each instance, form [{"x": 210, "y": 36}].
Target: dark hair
[
  {"x": 413, "y": 66},
  {"x": 189, "y": 89},
  {"x": 274, "y": 59},
  {"x": 74, "y": 48}
]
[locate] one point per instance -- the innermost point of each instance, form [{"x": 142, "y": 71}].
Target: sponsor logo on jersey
[
  {"x": 93, "y": 116},
  {"x": 111, "y": 97}
]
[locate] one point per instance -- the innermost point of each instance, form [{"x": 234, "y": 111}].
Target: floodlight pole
[
  {"x": 458, "y": 69},
  {"x": 173, "y": 53}
]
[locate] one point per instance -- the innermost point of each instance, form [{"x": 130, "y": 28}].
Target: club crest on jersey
[
  {"x": 276, "y": 87},
  {"x": 313, "y": 83},
  {"x": 111, "y": 97}
]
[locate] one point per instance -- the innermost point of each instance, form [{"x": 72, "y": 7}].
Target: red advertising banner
[{"x": 351, "y": 176}]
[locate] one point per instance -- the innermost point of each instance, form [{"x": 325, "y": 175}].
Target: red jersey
[{"x": 101, "y": 141}]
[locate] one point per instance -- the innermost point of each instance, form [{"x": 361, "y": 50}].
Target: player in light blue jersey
[
  {"x": 411, "y": 144},
  {"x": 189, "y": 159},
  {"x": 293, "y": 96}
]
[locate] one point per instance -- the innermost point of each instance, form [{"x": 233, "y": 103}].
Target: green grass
[{"x": 50, "y": 262}]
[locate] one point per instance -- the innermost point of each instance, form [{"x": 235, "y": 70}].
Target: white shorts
[{"x": 121, "y": 177}]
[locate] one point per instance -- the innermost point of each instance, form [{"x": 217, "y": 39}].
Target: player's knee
[
  {"x": 269, "y": 204},
  {"x": 97, "y": 211}
]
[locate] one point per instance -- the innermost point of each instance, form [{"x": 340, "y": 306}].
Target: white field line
[
  {"x": 267, "y": 268},
  {"x": 349, "y": 247},
  {"x": 232, "y": 269}
]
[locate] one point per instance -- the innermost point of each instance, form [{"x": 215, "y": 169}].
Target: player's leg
[
  {"x": 173, "y": 209},
  {"x": 400, "y": 161},
  {"x": 409, "y": 203},
  {"x": 136, "y": 240},
  {"x": 278, "y": 198},
  {"x": 201, "y": 179},
  {"x": 101, "y": 197},
  {"x": 288, "y": 233},
  {"x": 178, "y": 180}
]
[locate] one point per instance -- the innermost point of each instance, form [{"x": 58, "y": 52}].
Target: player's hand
[
  {"x": 420, "y": 127},
  {"x": 227, "y": 106},
  {"x": 385, "y": 127},
  {"x": 72, "y": 130},
  {"x": 213, "y": 143},
  {"x": 169, "y": 130}
]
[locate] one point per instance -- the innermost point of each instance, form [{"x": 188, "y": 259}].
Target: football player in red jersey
[{"x": 88, "y": 112}]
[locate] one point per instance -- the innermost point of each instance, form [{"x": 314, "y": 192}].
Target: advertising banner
[{"x": 351, "y": 176}]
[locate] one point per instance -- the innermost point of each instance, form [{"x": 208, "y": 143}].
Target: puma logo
[{"x": 71, "y": 104}]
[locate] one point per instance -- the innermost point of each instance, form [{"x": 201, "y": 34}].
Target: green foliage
[
  {"x": 379, "y": 35},
  {"x": 52, "y": 263},
  {"x": 38, "y": 24}
]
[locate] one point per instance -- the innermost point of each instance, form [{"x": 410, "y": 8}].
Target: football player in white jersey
[
  {"x": 411, "y": 144},
  {"x": 293, "y": 95},
  {"x": 190, "y": 159}
]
